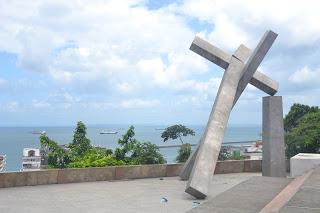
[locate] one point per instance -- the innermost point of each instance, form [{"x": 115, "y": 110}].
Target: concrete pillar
[{"x": 273, "y": 155}]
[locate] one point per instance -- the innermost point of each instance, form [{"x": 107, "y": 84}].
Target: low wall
[{"x": 58, "y": 176}]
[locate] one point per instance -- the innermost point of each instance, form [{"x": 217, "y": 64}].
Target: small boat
[
  {"x": 38, "y": 132},
  {"x": 159, "y": 128},
  {"x": 108, "y": 132},
  {"x": 3, "y": 163}
]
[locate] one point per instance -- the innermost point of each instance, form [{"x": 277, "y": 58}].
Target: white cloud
[
  {"x": 139, "y": 103},
  {"x": 40, "y": 104},
  {"x": 3, "y": 82},
  {"x": 79, "y": 42},
  {"x": 305, "y": 76},
  {"x": 11, "y": 106},
  {"x": 101, "y": 54},
  {"x": 297, "y": 23}
]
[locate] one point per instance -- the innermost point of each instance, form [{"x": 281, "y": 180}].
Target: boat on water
[
  {"x": 160, "y": 128},
  {"x": 3, "y": 162},
  {"x": 38, "y": 132},
  {"x": 108, "y": 132}
]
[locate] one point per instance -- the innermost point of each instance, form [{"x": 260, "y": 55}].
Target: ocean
[{"x": 14, "y": 139}]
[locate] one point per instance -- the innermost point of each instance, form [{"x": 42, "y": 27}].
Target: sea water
[{"x": 14, "y": 139}]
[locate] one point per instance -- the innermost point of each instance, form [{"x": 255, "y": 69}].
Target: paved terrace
[
  {"x": 140, "y": 195},
  {"x": 268, "y": 195}
]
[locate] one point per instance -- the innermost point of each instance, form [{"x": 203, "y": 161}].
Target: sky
[{"x": 128, "y": 61}]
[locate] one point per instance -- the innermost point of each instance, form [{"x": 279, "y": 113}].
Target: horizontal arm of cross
[{"x": 222, "y": 59}]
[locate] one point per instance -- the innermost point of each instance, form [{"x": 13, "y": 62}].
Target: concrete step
[{"x": 249, "y": 196}]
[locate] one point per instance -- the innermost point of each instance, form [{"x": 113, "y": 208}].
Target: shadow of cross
[
  {"x": 234, "y": 81},
  {"x": 222, "y": 59}
]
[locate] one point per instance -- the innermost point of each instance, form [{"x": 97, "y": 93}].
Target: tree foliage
[
  {"x": 132, "y": 151},
  {"x": 57, "y": 156},
  {"x": 224, "y": 154},
  {"x": 80, "y": 143},
  {"x": 183, "y": 153},
  {"x": 148, "y": 153},
  {"x": 304, "y": 136},
  {"x": 176, "y": 131},
  {"x": 95, "y": 157},
  {"x": 128, "y": 146},
  {"x": 296, "y": 112},
  {"x": 81, "y": 154}
]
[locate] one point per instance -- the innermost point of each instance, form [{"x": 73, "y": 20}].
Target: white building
[
  {"x": 3, "y": 163},
  {"x": 31, "y": 159}
]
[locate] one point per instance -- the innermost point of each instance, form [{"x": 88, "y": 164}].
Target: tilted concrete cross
[
  {"x": 234, "y": 81},
  {"x": 222, "y": 59}
]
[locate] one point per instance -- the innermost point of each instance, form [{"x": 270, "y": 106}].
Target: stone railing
[{"x": 58, "y": 176}]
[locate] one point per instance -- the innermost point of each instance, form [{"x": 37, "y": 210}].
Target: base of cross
[
  {"x": 273, "y": 161},
  {"x": 196, "y": 193}
]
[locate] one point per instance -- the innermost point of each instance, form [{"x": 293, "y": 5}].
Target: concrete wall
[{"x": 57, "y": 176}]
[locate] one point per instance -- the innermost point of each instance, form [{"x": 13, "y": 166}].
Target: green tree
[
  {"x": 57, "y": 156},
  {"x": 128, "y": 143},
  {"x": 305, "y": 135},
  {"x": 80, "y": 143},
  {"x": 176, "y": 131},
  {"x": 147, "y": 153},
  {"x": 296, "y": 112},
  {"x": 132, "y": 151},
  {"x": 183, "y": 153},
  {"x": 95, "y": 157}
]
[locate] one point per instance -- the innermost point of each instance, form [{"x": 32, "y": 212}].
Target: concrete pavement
[{"x": 141, "y": 195}]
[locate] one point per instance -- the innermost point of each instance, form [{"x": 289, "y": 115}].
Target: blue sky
[{"x": 128, "y": 62}]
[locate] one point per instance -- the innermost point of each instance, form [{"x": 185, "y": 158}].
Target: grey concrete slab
[
  {"x": 209, "y": 148},
  {"x": 273, "y": 156},
  {"x": 217, "y": 56},
  {"x": 307, "y": 199},
  {"x": 249, "y": 196},
  {"x": 234, "y": 80},
  {"x": 242, "y": 53},
  {"x": 255, "y": 59},
  {"x": 297, "y": 209},
  {"x": 313, "y": 180},
  {"x": 141, "y": 195},
  {"x": 222, "y": 59}
]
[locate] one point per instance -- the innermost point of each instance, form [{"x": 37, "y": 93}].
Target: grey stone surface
[
  {"x": 209, "y": 148},
  {"x": 242, "y": 54},
  {"x": 234, "y": 81},
  {"x": 307, "y": 199},
  {"x": 303, "y": 162},
  {"x": 217, "y": 56},
  {"x": 297, "y": 209},
  {"x": 220, "y": 58},
  {"x": 249, "y": 196},
  {"x": 142, "y": 195},
  {"x": 273, "y": 156},
  {"x": 254, "y": 61}
]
